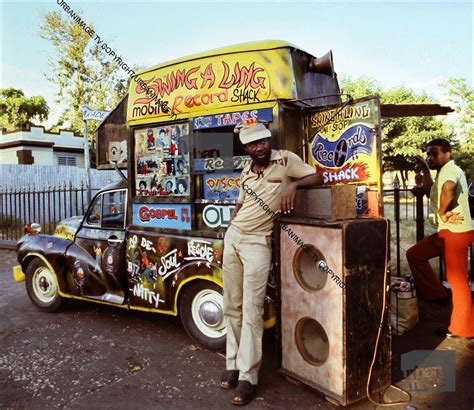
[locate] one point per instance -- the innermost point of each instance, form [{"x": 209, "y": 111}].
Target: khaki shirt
[
  {"x": 450, "y": 172},
  {"x": 260, "y": 195}
]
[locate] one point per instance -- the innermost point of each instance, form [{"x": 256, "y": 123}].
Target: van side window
[
  {"x": 95, "y": 213},
  {"x": 113, "y": 209}
]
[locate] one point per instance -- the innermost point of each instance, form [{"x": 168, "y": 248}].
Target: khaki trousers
[{"x": 246, "y": 264}]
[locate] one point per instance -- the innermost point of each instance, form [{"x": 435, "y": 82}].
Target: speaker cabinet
[{"x": 331, "y": 289}]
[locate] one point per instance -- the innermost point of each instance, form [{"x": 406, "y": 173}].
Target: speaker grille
[
  {"x": 305, "y": 268},
  {"x": 312, "y": 341}
]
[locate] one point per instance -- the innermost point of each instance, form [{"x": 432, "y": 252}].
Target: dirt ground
[{"x": 93, "y": 356}]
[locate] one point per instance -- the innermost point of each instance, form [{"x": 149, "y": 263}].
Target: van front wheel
[
  {"x": 202, "y": 314},
  {"x": 41, "y": 286}
]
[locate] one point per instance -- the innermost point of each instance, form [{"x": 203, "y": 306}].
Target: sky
[{"x": 416, "y": 44}]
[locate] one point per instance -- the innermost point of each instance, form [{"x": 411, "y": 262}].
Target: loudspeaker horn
[{"x": 323, "y": 65}]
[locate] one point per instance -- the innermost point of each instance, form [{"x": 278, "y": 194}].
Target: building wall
[
  {"x": 8, "y": 156},
  {"x": 45, "y": 147},
  {"x": 42, "y": 156}
]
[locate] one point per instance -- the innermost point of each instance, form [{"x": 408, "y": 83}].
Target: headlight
[{"x": 33, "y": 228}]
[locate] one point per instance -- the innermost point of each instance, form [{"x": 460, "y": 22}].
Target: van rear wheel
[{"x": 202, "y": 314}]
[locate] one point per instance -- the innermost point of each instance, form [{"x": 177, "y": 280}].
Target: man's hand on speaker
[{"x": 288, "y": 198}]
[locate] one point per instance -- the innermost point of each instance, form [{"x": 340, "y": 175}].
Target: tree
[
  {"x": 461, "y": 97},
  {"x": 402, "y": 138},
  {"x": 17, "y": 111},
  {"x": 84, "y": 73}
]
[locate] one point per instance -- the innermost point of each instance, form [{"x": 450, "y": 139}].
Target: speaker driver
[
  {"x": 312, "y": 341},
  {"x": 306, "y": 270}
]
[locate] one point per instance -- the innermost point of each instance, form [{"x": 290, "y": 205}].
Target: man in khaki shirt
[{"x": 267, "y": 186}]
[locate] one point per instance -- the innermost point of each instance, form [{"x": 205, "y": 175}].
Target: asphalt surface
[{"x": 94, "y": 356}]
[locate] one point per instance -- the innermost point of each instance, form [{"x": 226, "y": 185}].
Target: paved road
[{"x": 91, "y": 356}]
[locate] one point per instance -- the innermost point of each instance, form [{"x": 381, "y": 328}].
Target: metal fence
[
  {"x": 410, "y": 209},
  {"x": 48, "y": 206}
]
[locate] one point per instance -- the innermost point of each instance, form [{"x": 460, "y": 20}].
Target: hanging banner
[{"x": 346, "y": 143}]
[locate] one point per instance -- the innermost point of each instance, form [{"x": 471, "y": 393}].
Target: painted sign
[
  {"x": 217, "y": 81},
  {"x": 231, "y": 118},
  {"x": 117, "y": 152},
  {"x": 346, "y": 142},
  {"x": 88, "y": 114},
  {"x": 215, "y": 216},
  {"x": 217, "y": 163},
  {"x": 157, "y": 264},
  {"x": 173, "y": 216},
  {"x": 221, "y": 186}
]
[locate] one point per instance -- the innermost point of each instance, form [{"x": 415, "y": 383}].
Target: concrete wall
[{"x": 63, "y": 142}]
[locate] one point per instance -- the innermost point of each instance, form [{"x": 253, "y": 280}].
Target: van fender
[
  {"x": 216, "y": 277},
  {"x": 50, "y": 249}
]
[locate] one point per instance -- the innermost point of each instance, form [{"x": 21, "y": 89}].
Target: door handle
[{"x": 113, "y": 240}]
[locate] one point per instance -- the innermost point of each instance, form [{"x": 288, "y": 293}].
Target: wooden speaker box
[
  {"x": 331, "y": 289},
  {"x": 331, "y": 203}
]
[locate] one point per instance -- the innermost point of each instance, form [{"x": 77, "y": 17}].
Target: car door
[{"x": 102, "y": 237}]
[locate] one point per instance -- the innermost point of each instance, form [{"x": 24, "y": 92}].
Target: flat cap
[{"x": 251, "y": 130}]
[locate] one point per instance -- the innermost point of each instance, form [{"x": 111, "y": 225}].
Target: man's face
[
  {"x": 436, "y": 158},
  {"x": 259, "y": 150}
]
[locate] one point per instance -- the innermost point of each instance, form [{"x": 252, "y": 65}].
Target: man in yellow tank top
[{"x": 452, "y": 233}]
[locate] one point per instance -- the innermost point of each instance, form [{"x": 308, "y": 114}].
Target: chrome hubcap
[
  {"x": 44, "y": 285},
  {"x": 211, "y": 313},
  {"x": 207, "y": 313}
]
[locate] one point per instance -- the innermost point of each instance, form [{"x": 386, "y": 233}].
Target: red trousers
[{"x": 453, "y": 248}]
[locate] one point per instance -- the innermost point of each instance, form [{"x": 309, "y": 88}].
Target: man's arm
[
  {"x": 220, "y": 255},
  {"x": 289, "y": 195},
  {"x": 448, "y": 192},
  {"x": 427, "y": 182},
  {"x": 238, "y": 205}
]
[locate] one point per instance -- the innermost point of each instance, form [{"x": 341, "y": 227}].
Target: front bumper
[{"x": 18, "y": 274}]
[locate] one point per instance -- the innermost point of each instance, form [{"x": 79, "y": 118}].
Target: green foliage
[
  {"x": 461, "y": 98},
  {"x": 17, "y": 111},
  {"x": 402, "y": 138},
  {"x": 84, "y": 74}
]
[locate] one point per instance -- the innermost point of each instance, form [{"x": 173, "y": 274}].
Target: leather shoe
[
  {"x": 245, "y": 393},
  {"x": 229, "y": 379}
]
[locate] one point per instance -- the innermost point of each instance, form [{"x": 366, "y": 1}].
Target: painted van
[{"x": 152, "y": 242}]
